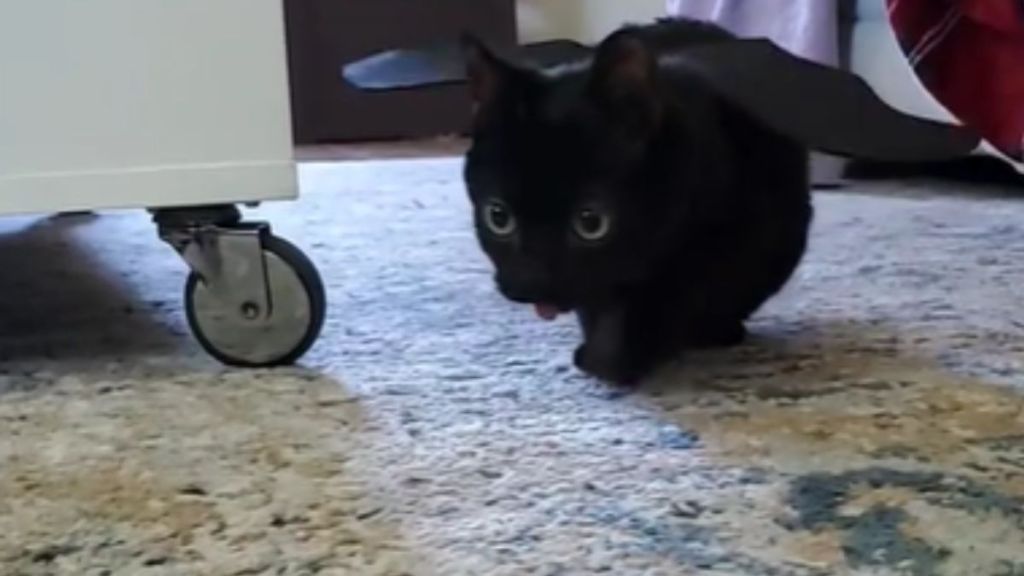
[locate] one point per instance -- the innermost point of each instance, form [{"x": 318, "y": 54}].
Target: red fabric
[{"x": 970, "y": 55}]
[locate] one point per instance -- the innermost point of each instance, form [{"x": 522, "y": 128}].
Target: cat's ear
[
  {"x": 624, "y": 81},
  {"x": 623, "y": 66},
  {"x": 486, "y": 72}
]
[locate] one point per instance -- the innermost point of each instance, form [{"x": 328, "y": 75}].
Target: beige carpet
[{"x": 874, "y": 424}]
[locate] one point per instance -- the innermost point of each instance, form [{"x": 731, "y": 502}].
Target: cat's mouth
[
  {"x": 546, "y": 305},
  {"x": 549, "y": 312}
]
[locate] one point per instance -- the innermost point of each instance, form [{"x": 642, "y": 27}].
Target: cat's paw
[
  {"x": 719, "y": 335},
  {"x": 610, "y": 368}
]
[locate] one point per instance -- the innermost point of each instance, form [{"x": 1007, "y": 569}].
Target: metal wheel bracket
[{"x": 230, "y": 262}]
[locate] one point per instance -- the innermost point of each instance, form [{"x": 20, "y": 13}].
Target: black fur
[{"x": 709, "y": 210}]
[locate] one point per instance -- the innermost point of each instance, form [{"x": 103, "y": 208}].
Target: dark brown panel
[{"x": 324, "y": 34}]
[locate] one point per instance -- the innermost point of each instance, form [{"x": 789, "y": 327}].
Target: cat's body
[{"x": 626, "y": 191}]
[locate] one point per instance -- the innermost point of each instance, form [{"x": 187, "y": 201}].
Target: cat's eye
[
  {"x": 499, "y": 218},
  {"x": 591, "y": 224}
]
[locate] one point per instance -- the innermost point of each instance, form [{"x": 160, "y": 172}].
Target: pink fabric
[{"x": 808, "y": 28}]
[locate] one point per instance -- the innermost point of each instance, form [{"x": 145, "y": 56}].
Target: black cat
[{"x": 623, "y": 189}]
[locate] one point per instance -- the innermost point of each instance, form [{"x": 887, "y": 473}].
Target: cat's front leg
[{"x": 607, "y": 351}]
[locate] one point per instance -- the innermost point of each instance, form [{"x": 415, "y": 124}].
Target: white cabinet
[
  {"x": 142, "y": 103},
  {"x": 181, "y": 106}
]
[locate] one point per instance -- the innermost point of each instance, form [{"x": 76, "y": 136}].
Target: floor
[
  {"x": 873, "y": 425},
  {"x": 445, "y": 147}
]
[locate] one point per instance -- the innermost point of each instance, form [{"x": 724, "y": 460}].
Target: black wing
[
  {"x": 443, "y": 63},
  {"x": 827, "y": 109}
]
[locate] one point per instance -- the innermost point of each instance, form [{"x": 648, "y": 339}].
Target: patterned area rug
[{"x": 873, "y": 425}]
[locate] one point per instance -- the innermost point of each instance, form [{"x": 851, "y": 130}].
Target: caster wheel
[{"x": 245, "y": 337}]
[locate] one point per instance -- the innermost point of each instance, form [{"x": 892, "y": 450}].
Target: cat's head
[{"x": 567, "y": 173}]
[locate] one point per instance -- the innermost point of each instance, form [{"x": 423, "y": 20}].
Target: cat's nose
[{"x": 527, "y": 285}]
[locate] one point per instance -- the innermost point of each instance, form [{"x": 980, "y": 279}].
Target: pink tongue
[{"x": 546, "y": 311}]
